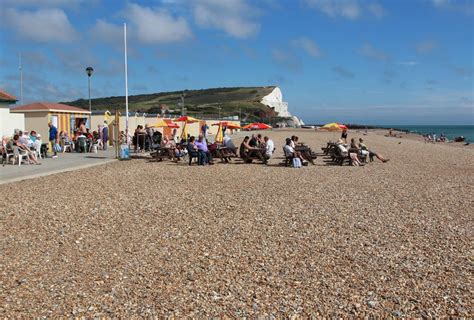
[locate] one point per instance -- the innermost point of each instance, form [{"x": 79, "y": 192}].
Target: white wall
[{"x": 10, "y": 121}]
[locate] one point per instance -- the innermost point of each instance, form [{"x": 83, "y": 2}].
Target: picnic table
[
  {"x": 164, "y": 152},
  {"x": 223, "y": 152},
  {"x": 306, "y": 152}
]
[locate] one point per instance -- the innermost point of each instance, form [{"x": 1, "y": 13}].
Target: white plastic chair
[
  {"x": 66, "y": 147},
  {"x": 95, "y": 146},
  {"x": 8, "y": 154},
  {"x": 20, "y": 155}
]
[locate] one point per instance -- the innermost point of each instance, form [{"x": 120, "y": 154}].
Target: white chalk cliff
[{"x": 275, "y": 101}]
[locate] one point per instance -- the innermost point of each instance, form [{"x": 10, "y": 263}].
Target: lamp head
[{"x": 89, "y": 71}]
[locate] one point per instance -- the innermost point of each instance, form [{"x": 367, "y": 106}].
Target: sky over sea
[{"x": 352, "y": 61}]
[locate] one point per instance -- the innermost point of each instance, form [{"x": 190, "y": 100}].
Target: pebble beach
[{"x": 140, "y": 238}]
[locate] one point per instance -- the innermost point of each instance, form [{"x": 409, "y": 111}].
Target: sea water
[{"x": 450, "y": 132}]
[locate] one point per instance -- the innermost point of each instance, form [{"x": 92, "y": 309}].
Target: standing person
[
  {"x": 174, "y": 135},
  {"x": 344, "y": 135},
  {"x": 53, "y": 138},
  {"x": 204, "y": 129},
  {"x": 105, "y": 135}
]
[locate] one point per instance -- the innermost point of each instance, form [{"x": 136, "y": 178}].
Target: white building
[{"x": 9, "y": 121}]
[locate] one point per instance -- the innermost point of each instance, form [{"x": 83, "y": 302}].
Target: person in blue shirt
[
  {"x": 204, "y": 129},
  {"x": 53, "y": 137}
]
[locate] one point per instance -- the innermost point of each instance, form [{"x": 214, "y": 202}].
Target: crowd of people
[
  {"x": 30, "y": 147},
  {"x": 25, "y": 143},
  {"x": 254, "y": 147},
  {"x": 357, "y": 150}
]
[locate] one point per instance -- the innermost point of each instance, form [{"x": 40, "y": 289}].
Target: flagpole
[
  {"x": 126, "y": 81},
  {"x": 21, "y": 78}
]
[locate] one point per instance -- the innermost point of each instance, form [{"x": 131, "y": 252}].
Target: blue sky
[{"x": 359, "y": 61}]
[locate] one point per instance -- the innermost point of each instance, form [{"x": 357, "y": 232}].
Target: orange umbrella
[
  {"x": 257, "y": 126},
  {"x": 186, "y": 120},
  {"x": 228, "y": 125}
]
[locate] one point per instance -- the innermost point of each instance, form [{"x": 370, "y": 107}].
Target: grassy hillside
[{"x": 198, "y": 103}]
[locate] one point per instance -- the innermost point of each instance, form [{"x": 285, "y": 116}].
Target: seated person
[
  {"x": 180, "y": 151},
  {"x": 95, "y": 135},
  {"x": 253, "y": 141},
  {"x": 168, "y": 147},
  {"x": 269, "y": 147},
  {"x": 167, "y": 143},
  {"x": 259, "y": 140},
  {"x": 247, "y": 152},
  {"x": 354, "y": 152},
  {"x": 3, "y": 144},
  {"x": 24, "y": 139},
  {"x": 371, "y": 153},
  {"x": 292, "y": 142},
  {"x": 204, "y": 154},
  {"x": 33, "y": 135},
  {"x": 228, "y": 143},
  {"x": 191, "y": 147},
  {"x": 297, "y": 141},
  {"x": 39, "y": 144},
  {"x": 16, "y": 142},
  {"x": 290, "y": 151},
  {"x": 81, "y": 142}
]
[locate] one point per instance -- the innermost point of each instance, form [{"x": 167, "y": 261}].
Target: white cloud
[
  {"x": 287, "y": 60},
  {"x": 370, "y": 52},
  {"x": 343, "y": 72},
  {"x": 43, "y": 25},
  {"x": 349, "y": 9},
  {"x": 409, "y": 63},
  {"x": 234, "y": 17},
  {"x": 145, "y": 25},
  {"x": 377, "y": 10},
  {"x": 426, "y": 46},
  {"x": 41, "y": 3},
  {"x": 308, "y": 45},
  {"x": 440, "y": 3},
  {"x": 156, "y": 25},
  {"x": 108, "y": 32},
  {"x": 459, "y": 6}
]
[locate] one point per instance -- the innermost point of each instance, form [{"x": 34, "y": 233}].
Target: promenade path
[{"x": 64, "y": 162}]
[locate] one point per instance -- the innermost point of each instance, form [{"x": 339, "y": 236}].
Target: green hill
[{"x": 203, "y": 103}]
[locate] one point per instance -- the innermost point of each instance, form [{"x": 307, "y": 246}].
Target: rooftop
[
  {"x": 45, "y": 106},
  {"x": 6, "y": 97}
]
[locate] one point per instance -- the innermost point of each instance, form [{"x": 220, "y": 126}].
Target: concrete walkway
[{"x": 64, "y": 162}]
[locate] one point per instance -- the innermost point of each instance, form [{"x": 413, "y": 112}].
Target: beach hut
[
  {"x": 9, "y": 121},
  {"x": 65, "y": 118}
]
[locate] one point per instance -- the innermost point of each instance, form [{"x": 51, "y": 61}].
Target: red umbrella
[
  {"x": 171, "y": 124},
  {"x": 187, "y": 119},
  {"x": 342, "y": 126},
  {"x": 257, "y": 126}
]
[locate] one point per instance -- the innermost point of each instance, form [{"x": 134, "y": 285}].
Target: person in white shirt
[
  {"x": 292, "y": 142},
  {"x": 25, "y": 139},
  {"x": 269, "y": 147},
  {"x": 290, "y": 151}
]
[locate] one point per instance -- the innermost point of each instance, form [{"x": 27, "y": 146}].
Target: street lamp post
[
  {"x": 89, "y": 71},
  {"x": 182, "y": 103}
]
